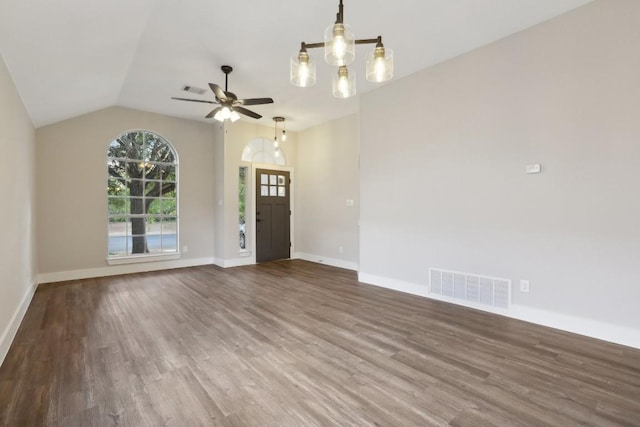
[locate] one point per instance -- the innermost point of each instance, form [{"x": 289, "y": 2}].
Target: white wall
[
  {"x": 219, "y": 189},
  {"x": 71, "y": 191},
  {"x": 327, "y": 177},
  {"x": 443, "y": 155},
  {"x": 17, "y": 215}
]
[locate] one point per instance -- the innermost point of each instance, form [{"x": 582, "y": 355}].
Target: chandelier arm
[
  {"x": 360, "y": 41},
  {"x": 313, "y": 45},
  {"x": 369, "y": 41}
]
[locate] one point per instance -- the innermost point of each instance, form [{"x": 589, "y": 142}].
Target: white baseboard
[
  {"x": 236, "y": 262},
  {"x": 10, "y": 332},
  {"x": 578, "y": 325},
  {"x": 334, "y": 262},
  {"x": 114, "y": 270},
  {"x": 395, "y": 284}
]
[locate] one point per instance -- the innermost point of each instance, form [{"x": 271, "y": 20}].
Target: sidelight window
[{"x": 242, "y": 206}]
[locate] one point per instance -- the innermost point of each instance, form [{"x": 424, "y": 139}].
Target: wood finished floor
[{"x": 293, "y": 343}]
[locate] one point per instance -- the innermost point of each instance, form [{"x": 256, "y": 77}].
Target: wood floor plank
[{"x": 294, "y": 343}]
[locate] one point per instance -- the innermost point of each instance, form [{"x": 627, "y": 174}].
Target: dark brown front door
[{"x": 272, "y": 215}]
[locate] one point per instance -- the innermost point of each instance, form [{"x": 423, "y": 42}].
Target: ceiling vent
[{"x": 193, "y": 89}]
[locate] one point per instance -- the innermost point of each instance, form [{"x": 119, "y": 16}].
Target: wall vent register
[{"x": 470, "y": 288}]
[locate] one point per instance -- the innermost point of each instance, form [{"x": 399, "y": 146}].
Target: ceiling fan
[{"x": 229, "y": 103}]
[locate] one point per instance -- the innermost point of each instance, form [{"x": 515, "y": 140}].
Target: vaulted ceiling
[{"x": 71, "y": 57}]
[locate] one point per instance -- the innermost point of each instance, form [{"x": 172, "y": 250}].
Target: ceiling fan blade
[
  {"x": 213, "y": 113},
  {"x": 255, "y": 101},
  {"x": 194, "y": 100},
  {"x": 246, "y": 112},
  {"x": 217, "y": 90}
]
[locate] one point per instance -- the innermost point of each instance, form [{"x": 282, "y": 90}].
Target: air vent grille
[
  {"x": 193, "y": 89},
  {"x": 472, "y": 288}
]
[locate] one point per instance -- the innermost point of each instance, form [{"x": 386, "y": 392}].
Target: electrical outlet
[
  {"x": 340, "y": 249},
  {"x": 185, "y": 249},
  {"x": 524, "y": 286}
]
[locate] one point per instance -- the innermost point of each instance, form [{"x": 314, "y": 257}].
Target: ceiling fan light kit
[
  {"x": 230, "y": 106},
  {"x": 339, "y": 51}
]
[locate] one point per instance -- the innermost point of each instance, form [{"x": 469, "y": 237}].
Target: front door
[{"x": 273, "y": 225}]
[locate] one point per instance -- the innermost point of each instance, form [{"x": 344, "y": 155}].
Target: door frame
[{"x": 251, "y": 214}]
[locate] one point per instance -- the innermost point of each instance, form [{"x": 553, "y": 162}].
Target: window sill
[{"x": 141, "y": 258}]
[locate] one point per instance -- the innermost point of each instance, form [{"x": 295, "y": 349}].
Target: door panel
[{"x": 273, "y": 220}]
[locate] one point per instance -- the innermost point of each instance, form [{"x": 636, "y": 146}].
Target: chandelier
[{"x": 339, "y": 51}]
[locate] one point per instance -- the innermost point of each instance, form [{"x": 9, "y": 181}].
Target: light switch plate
[{"x": 533, "y": 168}]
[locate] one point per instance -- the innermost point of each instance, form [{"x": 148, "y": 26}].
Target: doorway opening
[{"x": 267, "y": 232}]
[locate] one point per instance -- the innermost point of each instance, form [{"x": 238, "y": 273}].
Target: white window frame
[{"x": 138, "y": 258}]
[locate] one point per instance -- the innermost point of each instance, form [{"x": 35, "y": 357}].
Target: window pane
[
  {"x": 136, "y": 188},
  {"x": 164, "y": 172},
  {"x": 168, "y": 190},
  {"x": 169, "y": 235},
  {"x": 117, "y": 168},
  {"x": 115, "y": 148},
  {"x": 137, "y": 245},
  {"x": 119, "y": 228},
  {"x": 118, "y": 205},
  {"x": 117, "y": 187},
  {"x": 150, "y": 148},
  {"x": 153, "y": 224},
  {"x": 137, "y": 206},
  {"x": 155, "y": 208},
  {"x": 169, "y": 226},
  {"x": 152, "y": 188},
  {"x": 154, "y": 230},
  {"x": 169, "y": 243},
  {"x": 119, "y": 225},
  {"x": 169, "y": 207}
]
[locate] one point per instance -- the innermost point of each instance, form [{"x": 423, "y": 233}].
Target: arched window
[
  {"x": 142, "y": 195},
  {"x": 263, "y": 150}
]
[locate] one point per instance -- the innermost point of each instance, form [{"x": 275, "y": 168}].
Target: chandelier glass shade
[
  {"x": 379, "y": 65},
  {"x": 339, "y": 45},
  {"x": 303, "y": 69},
  {"x": 344, "y": 83}
]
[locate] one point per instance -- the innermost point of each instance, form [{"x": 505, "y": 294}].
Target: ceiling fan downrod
[{"x": 226, "y": 69}]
